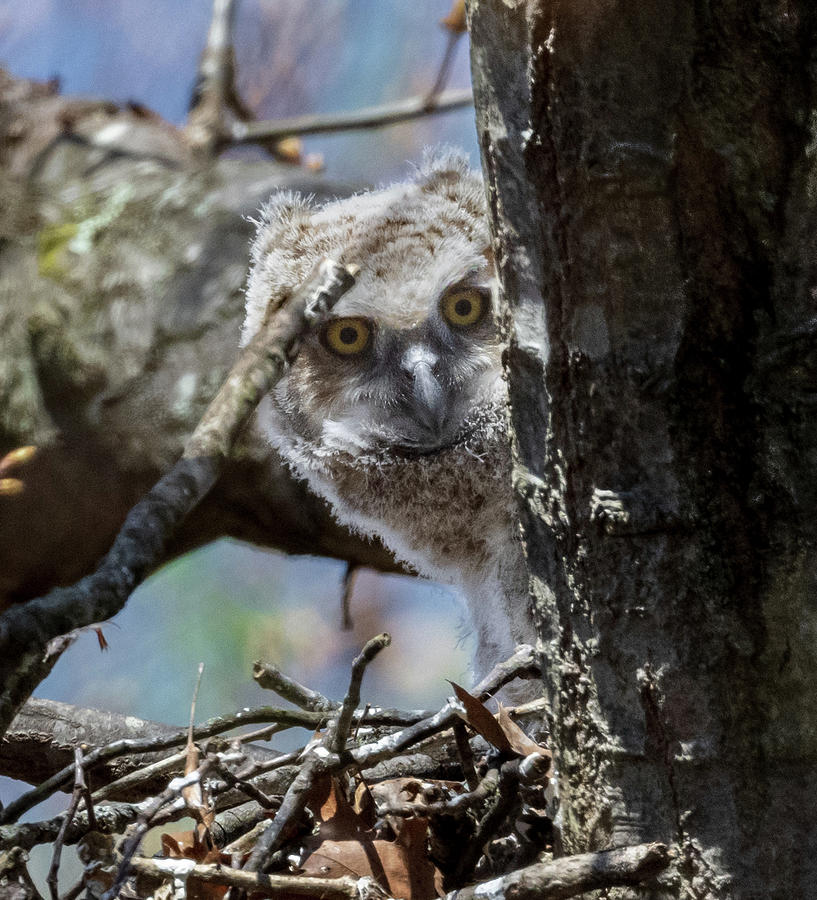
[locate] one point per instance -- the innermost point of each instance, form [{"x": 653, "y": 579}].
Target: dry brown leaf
[
  {"x": 519, "y": 741},
  {"x": 101, "y": 639},
  {"x": 188, "y": 845},
  {"x": 455, "y": 20},
  {"x": 343, "y": 845},
  {"x": 338, "y": 820},
  {"x": 481, "y": 719},
  {"x": 402, "y": 866},
  {"x": 364, "y": 804}
]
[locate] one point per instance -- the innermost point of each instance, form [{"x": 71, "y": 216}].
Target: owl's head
[{"x": 410, "y": 358}]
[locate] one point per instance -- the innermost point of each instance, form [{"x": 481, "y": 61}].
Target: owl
[{"x": 395, "y": 410}]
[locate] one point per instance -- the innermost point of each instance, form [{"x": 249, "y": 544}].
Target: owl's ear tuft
[
  {"x": 275, "y": 266},
  {"x": 443, "y": 167},
  {"x": 284, "y": 213},
  {"x": 446, "y": 171}
]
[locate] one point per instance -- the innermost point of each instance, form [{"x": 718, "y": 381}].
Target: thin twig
[
  {"x": 318, "y": 763},
  {"x": 254, "y": 769},
  {"x": 261, "y": 734},
  {"x": 368, "y": 117},
  {"x": 506, "y": 799},
  {"x": 79, "y": 791},
  {"x": 140, "y": 776},
  {"x": 215, "y": 100},
  {"x": 272, "y": 678},
  {"x": 352, "y": 698},
  {"x": 445, "y": 68},
  {"x": 245, "y": 787},
  {"x": 173, "y": 792},
  {"x": 522, "y": 664},
  {"x": 465, "y": 754},
  {"x": 193, "y": 703}
]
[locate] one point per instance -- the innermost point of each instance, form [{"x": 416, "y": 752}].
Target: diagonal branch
[{"x": 148, "y": 528}]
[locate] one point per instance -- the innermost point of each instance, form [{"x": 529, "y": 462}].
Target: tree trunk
[{"x": 651, "y": 171}]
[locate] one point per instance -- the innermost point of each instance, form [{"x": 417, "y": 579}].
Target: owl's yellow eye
[
  {"x": 347, "y": 336},
  {"x": 464, "y": 307}
]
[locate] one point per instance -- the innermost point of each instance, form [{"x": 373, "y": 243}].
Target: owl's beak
[
  {"x": 427, "y": 395},
  {"x": 429, "y": 402}
]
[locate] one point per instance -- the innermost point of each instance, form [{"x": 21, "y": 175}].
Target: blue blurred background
[{"x": 230, "y": 603}]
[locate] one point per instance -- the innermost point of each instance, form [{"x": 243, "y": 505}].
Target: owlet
[{"x": 395, "y": 411}]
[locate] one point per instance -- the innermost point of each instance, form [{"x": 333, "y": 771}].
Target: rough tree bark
[
  {"x": 122, "y": 265},
  {"x": 651, "y": 169}
]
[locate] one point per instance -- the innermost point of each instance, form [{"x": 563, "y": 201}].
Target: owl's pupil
[
  {"x": 462, "y": 307},
  {"x": 348, "y": 335}
]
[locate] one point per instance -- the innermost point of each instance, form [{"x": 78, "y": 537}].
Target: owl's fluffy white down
[{"x": 343, "y": 424}]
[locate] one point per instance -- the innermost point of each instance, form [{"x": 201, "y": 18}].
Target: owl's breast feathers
[{"x": 448, "y": 514}]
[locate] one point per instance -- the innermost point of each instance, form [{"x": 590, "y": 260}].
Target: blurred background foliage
[
  {"x": 293, "y": 57},
  {"x": 230, "y": 603}
]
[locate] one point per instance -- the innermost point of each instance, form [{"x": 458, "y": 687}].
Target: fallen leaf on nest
[
  {"x": 519, "y": 741},
  {"x": 400, "y": 866},
  {"x": 343, "y": 845},
  {"x": 189, "y": 845},
  {"x": 333, "y": 811},
  {"x": 481, "y": 719},
  {"x": 500, "y": 730}
]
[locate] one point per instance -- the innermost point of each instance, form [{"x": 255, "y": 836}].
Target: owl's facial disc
[{"x": 404, "y": 383}]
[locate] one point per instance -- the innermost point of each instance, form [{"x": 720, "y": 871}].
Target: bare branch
[
  {"x": 368, "y": 117},
  {"x": 330, "y": 888},
  {"x": 573, "y": 875},
  {"x": 148, "y": 528},
  {"x": 174, "y": 792},
  {"x": 113, "y": 818},
  {"x": 506, "y": 786},
  {"x": 80, "y": 790},
  {"x": 344, "y": 721},
  {"x": 137, "y": 773},
  {"x": 272, "y": 678},
  {"x": 522, "y": 664},
  {"x": 215, "y": 100}
]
